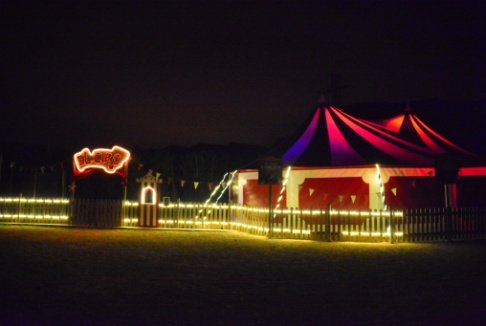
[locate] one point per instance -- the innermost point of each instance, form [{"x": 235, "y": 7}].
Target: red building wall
[
  {"x": 255, "y": 194},
  {"x": 341, "y": 193},
  {"x": 413, "y": 192}
]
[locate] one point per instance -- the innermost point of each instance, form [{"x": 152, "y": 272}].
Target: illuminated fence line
[
  {"x": 293, "y": 223},
  {"x": 331, "y": 225},
  {"x": 34, "y": 210},
  {"x": 432, "y": 224},
  {"x": 33, "y": 200}
]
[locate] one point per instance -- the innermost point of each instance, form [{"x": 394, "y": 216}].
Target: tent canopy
[{"x": 331, "y": 137}]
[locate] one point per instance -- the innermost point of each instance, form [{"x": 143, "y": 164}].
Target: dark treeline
[{"x": 187, "y": 173}]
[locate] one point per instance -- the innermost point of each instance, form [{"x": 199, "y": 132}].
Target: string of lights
[
  {"x": 226, "y": 185},
  {"x": 382, "y": 188},
  {"x": 282, "y": 190},
  {"x": 217, "y": 188}
]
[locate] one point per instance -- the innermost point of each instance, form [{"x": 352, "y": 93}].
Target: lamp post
[{"x": 446, "y": 171}]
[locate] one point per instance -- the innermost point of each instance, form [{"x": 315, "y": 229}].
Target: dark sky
[{"x": 184, "y": 72}]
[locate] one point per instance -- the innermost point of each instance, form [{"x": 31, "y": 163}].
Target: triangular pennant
[
  {"x": 311, "y": 191},
  {"x": 340, "y": 198},
  {"x": 394, "y": 191},
  {"x": 196, "y": 184},
  {"x": 183, "y": 182},
  {"x": 353, "y": 198}
]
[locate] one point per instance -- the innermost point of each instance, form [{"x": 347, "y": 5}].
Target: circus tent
[
  {"x": 410, "y": 127},
  {"x": 353, "y": 163}
]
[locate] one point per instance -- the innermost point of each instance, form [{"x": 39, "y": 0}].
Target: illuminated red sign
[{"x": 108, "y": 160}]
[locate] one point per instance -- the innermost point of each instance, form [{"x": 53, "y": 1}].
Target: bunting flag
[
  {"x": 311, "y": 191},
  {"x": 169, "y": 179},
  {"x": 16, "y": 167},
  {"x": 341, "y": 198},
  {"x": 72, "y": 187},
  {"x": 353, "y": 198},
  {"x": 394, "y": 191}
]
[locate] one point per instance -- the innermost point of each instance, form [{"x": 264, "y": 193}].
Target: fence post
[
  {"x": 321, "y": 236},
  {"x": 480, "y": 211},
  {"x": 449, "y": 223},
  {"x": 392, "y": 227},
  {"x": 270, "y": 217},
  {"x": 349, "y": 225},
  {"x": 328, "y": 222},
  {"x": 19, "y": 208}
]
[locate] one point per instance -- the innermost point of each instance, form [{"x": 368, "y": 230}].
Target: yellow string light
[
  {"x": 382, "y": 188},
  {"x": 282, "y": 190}
]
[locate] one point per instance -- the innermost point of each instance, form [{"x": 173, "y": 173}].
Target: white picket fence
[
  {"x": 324, "y": 224},
  {"x": 437, "y": 224}
]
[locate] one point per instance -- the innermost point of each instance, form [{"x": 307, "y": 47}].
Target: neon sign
[{"x": 108, "y": 160}]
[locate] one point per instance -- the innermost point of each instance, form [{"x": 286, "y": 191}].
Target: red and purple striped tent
[{"x": 334, "y": 156}]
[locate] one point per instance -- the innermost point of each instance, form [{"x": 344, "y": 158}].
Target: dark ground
[{"x": 82, "y": 276}]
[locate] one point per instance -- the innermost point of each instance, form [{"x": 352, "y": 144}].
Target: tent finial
[
  {"x": 322, "y": 101},
  {"x": 333, "y": 92}
]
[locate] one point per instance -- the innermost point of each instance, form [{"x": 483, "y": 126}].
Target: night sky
[{"x": 186, "y": 72}]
